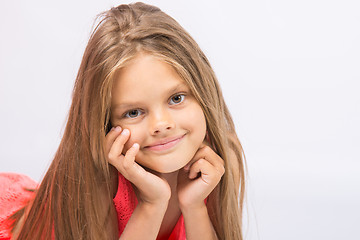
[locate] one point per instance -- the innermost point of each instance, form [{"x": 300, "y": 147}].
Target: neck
[
  {"x": 173, "y": 211},
  {"x": 171, "y": 177}
]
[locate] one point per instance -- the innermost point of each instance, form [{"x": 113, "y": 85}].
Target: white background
[{"x": 290, "y": 73}]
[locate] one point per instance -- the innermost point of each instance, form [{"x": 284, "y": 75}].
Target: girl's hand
[
  {"x": 151, "y": 188},
  {"x": 199, "y": 177}
]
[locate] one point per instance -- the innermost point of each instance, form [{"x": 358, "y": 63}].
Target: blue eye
[
  {"x": 133, "y": 113},
  {"x": 176, "y": 99}
]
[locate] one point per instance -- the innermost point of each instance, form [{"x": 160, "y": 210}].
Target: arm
[
  {"x": 195, "y": 182},
  {"x": 154, "y": 192},
  {"x": 147, "y": 216},
  {"x": 145, "y": 221},
  {"x": 198, "y": 224}
]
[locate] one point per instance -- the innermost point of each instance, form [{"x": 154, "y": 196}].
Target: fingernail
[
  {"x": 117, "y": 129},
  {"x": 125, "y": 132},
  {"x": 135, "y": 145}
]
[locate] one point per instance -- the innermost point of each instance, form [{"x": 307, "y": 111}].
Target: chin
[{"x": 166, "y": 169}]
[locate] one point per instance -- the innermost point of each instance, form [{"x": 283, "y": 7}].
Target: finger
[
  {"x": 129, "y": 158},
  {"x": 110, "y": 137},
  {"x": 205, "y": 152},
  {"x": 194, "y": 159},
  {"x": 204, "y": 144},
  {"x": 201, "y": 166},
  {"x": 210, "y": 155},
  {"x": 209, "y": 174},
  {"x": 124, "y": 163},
  {"x": 132, "y": 169},
  {"x": 118, "y": 145},
  {"x": 195, "y": 168}
]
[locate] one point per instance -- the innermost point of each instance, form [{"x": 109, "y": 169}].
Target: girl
[{"x": 149, "y": 150}]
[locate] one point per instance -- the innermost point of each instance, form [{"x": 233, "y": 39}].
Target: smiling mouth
[{"x": 165, "y": 146}]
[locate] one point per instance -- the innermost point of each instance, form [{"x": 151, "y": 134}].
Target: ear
[
  {"x": 109, "y": 126},
  {"x": 209, "y": 140}
]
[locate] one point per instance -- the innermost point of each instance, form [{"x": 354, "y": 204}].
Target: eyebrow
[{"x": 133, "y": 104}]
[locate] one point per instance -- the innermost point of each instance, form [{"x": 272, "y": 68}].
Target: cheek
[
  {"x": 136, "y": 136},
  {"x": 197, "y": 125},
  {"x": 201, "y": 126}
]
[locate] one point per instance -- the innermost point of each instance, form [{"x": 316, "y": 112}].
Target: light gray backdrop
[{"x": 290, "y": 73}]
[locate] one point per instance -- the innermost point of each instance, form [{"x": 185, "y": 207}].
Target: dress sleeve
[
  {"x": 125, "y": 202},
  {"x": 15, "y": 192}
]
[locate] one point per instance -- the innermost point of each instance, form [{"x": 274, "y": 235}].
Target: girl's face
[{"x": 151, "y": 100}]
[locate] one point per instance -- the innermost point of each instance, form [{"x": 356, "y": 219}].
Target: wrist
[
  {"x": 152, "y": 207},
  {"x": 193, "y": 208}
]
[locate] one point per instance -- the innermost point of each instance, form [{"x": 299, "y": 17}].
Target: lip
[{"x": 165, "y": 143}]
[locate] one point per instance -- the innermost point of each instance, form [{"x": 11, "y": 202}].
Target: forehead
[{"x": 145, "y": 76}]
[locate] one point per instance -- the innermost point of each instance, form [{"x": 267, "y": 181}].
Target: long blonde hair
[{"x": 67, "y": 204}]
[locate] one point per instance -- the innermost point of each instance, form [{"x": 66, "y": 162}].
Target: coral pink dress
[{"x": 13, "y": 196}]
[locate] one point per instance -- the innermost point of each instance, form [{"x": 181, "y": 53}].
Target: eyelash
[
  {"x": 182, "y": 95},
  {"x": 179, "y": 94}
]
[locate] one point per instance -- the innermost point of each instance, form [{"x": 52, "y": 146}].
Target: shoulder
[
  {"x": 15, "y": 188},
  {"x": 15, "y": 192}
]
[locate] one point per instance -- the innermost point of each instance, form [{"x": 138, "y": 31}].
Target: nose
[{"x": 161, "y": 121}]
